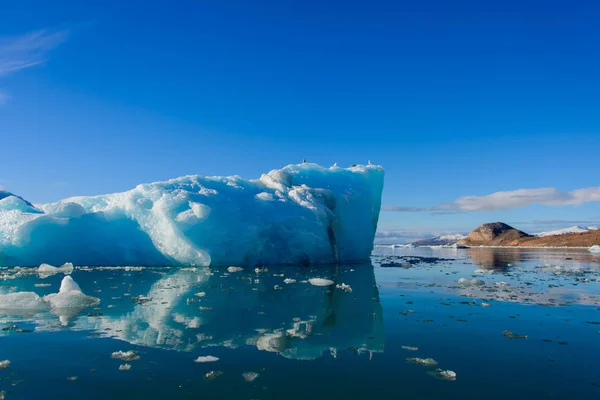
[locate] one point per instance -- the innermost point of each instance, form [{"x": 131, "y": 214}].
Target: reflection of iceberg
[
  {"x": 301, "y": 214},
  {"x": 300, "y": 321}
]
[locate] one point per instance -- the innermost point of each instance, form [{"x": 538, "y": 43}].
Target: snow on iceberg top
[{"x": 300, "y": 214}]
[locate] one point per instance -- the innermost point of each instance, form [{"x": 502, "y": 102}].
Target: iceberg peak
[{"x": 300, "y": 214}]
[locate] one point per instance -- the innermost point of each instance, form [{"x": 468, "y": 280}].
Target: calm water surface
[{"x": 306, "y": 341}]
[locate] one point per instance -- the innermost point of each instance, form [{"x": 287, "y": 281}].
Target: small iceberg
[
  {"x": 46, "y": 270},
  {"x": 4, "y": 364},
  {"x": 422, "y": 361},
  {"x": 444, "y": 375},
  {"x": 205, "y": 359},
  {"x": 512, "y": 335},
  {"x": 344, "y": 287},
  {"x": 125, "y": 355},
  {"x": 124, "y": 367},
  {"x": 249, "y": 376},
  {"x": 320, "y": 282},
  {"x": 70, "y": 296},
  {"x": 470, "y": 282},
  {"x": 595, "y": 248}
]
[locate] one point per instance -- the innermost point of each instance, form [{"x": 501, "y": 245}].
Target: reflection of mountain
[
  {"x": 494, "y": 259},
  {"x": 210, "y": 307}
]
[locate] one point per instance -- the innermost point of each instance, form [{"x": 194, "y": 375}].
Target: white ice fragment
[
  {"x": 422, "y": 361},
  {"x": 444, "y": 375},
  {"x": 125, "y": 355},
  {"x": 249, "y": 376},
  {"x": 124, "y": 367},
  {"x": 200, "y": 294},
  {"x": 4, "y": 364},
  {"x": 320, "y": 282},
  {"x": 46, "y": 270},
  {"x": 205, "y": 359},
  {"x": 344, "y": 287},
  {"x": 21, "y": 301},
  {"x": 470, "y": 282},
  {"x": 234, "y": 269},
  {"x": 595, "y": 248},
  {"x": 70, "y": 296},
  {"x": 289, "y": 280},
  {"x": 410, "y": 348}
]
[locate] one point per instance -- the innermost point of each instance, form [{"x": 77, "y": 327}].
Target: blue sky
[{"x": 454, "y": 99}]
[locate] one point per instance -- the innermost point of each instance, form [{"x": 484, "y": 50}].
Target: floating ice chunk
[
  {"x": 320, "y": 282},
  {"x": 4, "y": 364},
  {"x": 234, "y": 269},
  {"x": 470, "y": 282},
  {"x": 512, "y": 335},
  {"x": 124, "y": 367},
  {"x": 422, "y": 361},
  {"x": 200, "y": 294},
  {"x": 344, "y": 287},
  {"x": 595, "y": 248},
  {"x": 213, "y": 375},
  {"x": 22, "y": 301},
  {"x": 272, "y": 342},
  {"x": 46, "y": 270},
  {"x": 205, "y": 359},
  {"x": 249, "y": 376},
  {"x": 410, "y": 348},
  {"x": 444, "y": 375},
  {"x": 125, "y": 355},
  {"x": 70, "y": 296},
  {"x": 289, "y": 280},
  {"x": 485, "y": 305}
]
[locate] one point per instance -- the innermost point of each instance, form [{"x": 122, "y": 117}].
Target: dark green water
[{"x": 320, "y": 342}]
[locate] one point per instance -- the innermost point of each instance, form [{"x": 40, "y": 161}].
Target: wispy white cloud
[
  {"x": 511, "y": 200},
  {"x": 26, "y": 51}
]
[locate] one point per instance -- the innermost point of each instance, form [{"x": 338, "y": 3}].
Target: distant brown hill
[
  {"x": 494, "y": 234},
  {"x": 501, "y": 234}
]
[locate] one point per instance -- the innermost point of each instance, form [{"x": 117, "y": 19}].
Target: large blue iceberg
[{"x": 301, "y": 214}]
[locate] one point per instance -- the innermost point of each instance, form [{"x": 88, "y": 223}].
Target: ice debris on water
[
  {"x": 4, "y": 364},
  {"x": 213, "y": 375},
  {"x": 422, "y": 361},
  {"x": 320, "y": 282},
  {"x": 444, "y": 375},
  {"x": 200, "y": 294},
  {"x": 249, "y": 376},
  {"x": 124, "y": 367},
  {"x": 595, "y": 248},
  {"x": 205, "y": 359},
  {"x": 22, "y": 301},
  {"x": 289, "y": 280},
  {"x": 70, "y": 296},
  {"x": 125, "y": 355},
  {"x": 46, "y": 270},
  {"x": 234, "y": 269},
  {"x": 344, "y": 287},
  {"x": 512, "y": 335},
  {"x": 410, "y": 348},
  {"x": 470, "y": 282}
]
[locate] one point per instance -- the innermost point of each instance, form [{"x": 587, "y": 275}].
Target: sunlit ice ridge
[{"x": 301, "y": 214}]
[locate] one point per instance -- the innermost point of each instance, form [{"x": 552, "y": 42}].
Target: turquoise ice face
[{"x": 300, "y": 215}]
